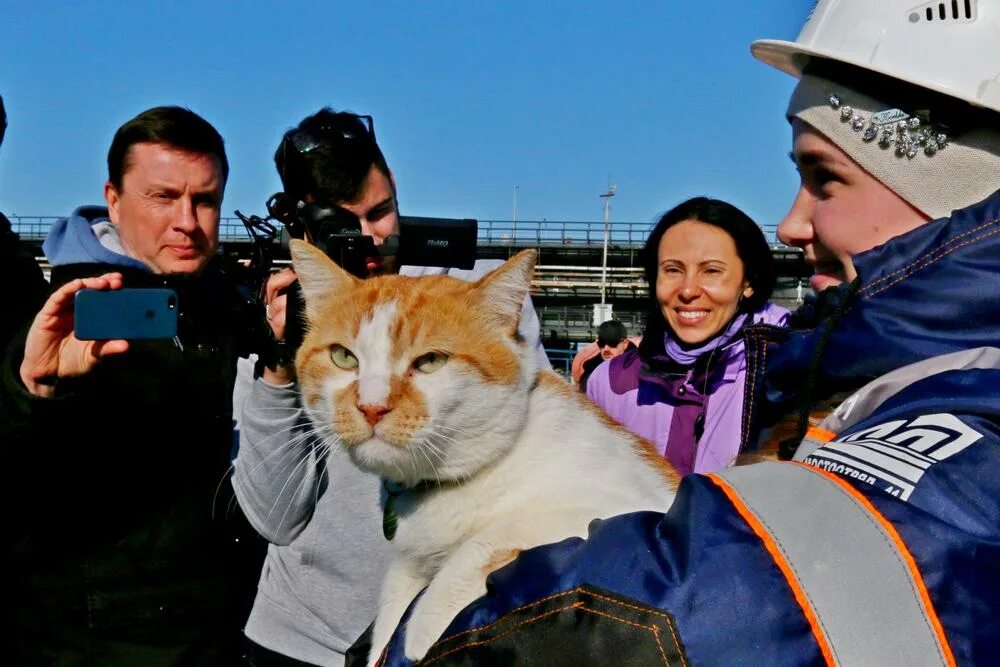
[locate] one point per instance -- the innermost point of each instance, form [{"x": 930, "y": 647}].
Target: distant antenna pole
[
  {"x": 604, "y": 261},
  {"x": 514, "y": 232}
]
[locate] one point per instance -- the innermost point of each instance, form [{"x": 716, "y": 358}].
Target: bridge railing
[
  {"x": 561, "y": 233},
  {"x": 32, "y": 227},
  {"x": 520, "y": 233}
]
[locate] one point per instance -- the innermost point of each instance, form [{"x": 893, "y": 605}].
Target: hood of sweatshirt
[{"x": 74, "y": 240}]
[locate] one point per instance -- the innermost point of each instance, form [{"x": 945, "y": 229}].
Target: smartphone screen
[{"x": 128, "y": 314}]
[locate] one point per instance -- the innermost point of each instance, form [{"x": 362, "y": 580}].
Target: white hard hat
[{"x": 949, "y": 46}]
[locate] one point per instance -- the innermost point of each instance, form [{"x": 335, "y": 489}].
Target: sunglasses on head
[{"x": 304, "y": 141}]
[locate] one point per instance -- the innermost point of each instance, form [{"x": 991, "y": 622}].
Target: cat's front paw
[{"x": 422, "y": 631}]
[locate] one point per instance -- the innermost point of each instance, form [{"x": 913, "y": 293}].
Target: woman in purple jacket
[{"x": 710, "y": 274}]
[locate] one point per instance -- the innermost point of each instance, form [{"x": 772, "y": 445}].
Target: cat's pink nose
[{"x": 373, "y": 413}]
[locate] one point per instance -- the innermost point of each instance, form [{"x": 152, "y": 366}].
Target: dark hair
[
  {"x": 751, "y": 246},
  {"x": 340, "y": 152},
  {"x": 171, "y": 126}
]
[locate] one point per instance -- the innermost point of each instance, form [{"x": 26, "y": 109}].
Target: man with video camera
[
  {"x": 125, "y": 551},
  {"x": 322, "y": 515}
]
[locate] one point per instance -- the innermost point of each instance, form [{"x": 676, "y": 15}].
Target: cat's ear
[
  {"x": 503, "y": 291},
  {"x": 318, "y": 274}
]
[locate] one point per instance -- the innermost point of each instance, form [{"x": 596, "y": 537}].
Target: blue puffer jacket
[{"x": 877, "y": 546}]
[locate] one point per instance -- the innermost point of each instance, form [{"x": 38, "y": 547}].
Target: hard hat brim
[{"x": 792, "y": 58}]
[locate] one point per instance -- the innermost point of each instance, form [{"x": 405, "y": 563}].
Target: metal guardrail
[
  {"x": 561, "y": 233},
  {"x": 520, "y": 233},
  {"x": 574, "y": 320},
  {"x": 561, "y": 360},
  {"x": 584, "y": 280},
  {"x": 32, "y": 227}
]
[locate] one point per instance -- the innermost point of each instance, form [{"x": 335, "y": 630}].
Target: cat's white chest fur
[{"x": 568, "y": 468}]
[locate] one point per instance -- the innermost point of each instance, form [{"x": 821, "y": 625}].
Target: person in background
[
  {"x": 321, "y": 514},
  {"x": 612, "y": 340},
  {"x": 17, "y": 267},
  {"x": 877, "y": 544},
  {"x": 710, "y": 274},
  {"x": 123, "y": 549}
]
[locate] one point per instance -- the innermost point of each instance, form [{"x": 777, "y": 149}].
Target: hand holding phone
[
  {"x": 125, "y": 314},
  {"x": 51, "y": 351}
]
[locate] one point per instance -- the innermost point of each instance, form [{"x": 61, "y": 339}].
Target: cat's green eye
[
  {"x": 430, "y": 362},
  {"x": 343, "y": 358}
]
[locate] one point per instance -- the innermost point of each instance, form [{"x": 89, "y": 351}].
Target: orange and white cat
[{"x": 425, "y": 382}]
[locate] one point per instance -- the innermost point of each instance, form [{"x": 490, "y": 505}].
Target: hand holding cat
[{"x": 52, "y": 351}]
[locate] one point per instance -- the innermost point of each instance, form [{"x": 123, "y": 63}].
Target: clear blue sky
[{"x": 470, "y": 98}]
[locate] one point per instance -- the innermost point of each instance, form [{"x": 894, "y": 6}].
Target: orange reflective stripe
[
  {"x": 779, "y": 559},
  {"x": 904, "y": 553},
  {"x": 820, "y": 434}
]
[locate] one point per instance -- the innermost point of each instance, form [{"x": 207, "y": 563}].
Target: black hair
[
  {"x": 751, "y": 247},
  {"x": 335, "y": 162},
  {"x": 172, "y": 126}
]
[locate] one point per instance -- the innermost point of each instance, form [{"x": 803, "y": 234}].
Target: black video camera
[{"x": 443, "y": 242}]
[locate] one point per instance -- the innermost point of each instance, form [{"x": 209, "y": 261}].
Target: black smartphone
[{"x": 128, "y": 314}]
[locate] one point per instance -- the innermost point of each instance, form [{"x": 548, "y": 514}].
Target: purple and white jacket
[{"x": 668, "y": 398}]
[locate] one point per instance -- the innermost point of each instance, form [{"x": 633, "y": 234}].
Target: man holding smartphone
[
  {"x": 322, "y": 515},
  {"x": 123, "y": 553}
]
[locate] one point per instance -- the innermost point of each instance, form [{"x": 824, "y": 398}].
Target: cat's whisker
[
  {"x": 459, "y": 431},
  {"x": 329, "y": 438},
  {"x": 303, "y": 428},
  {"x": 430, "y": 446},
  {"x": 423, "y": 450},
  {"x": 325, "y": 439},
  {"x": 413, "y": 461},
  {"x": 278, "y": 408},
  {"x": 231, "y": 506},
  {"x": 285, "y": 389},
  {"x": 230, "y": 469},
  {"x": 287, "y": 460},
  {"x": 286, "y": 450},
  {"x": 449, "y": 440},
  {"x": 304, "y": 461}
]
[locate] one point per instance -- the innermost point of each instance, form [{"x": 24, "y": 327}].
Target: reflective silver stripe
[
  {"x": 865, "y": 400},
  {"x": 849, "y": 568}
]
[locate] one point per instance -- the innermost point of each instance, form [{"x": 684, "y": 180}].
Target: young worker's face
[
  {"x": 840, "y": 210},
  {"x": 167, "y": 211}
]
